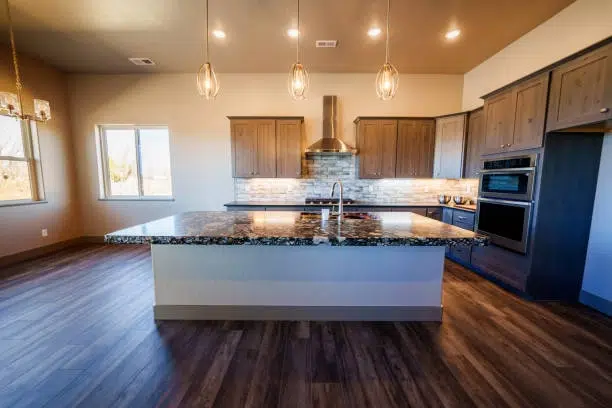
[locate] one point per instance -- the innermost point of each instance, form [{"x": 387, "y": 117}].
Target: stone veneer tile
[{"x": 321, "y": 171}]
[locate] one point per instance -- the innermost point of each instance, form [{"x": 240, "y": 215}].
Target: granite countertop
[
  {"x": 465, "y": 207},
  {"x": 295, "y": 228}
]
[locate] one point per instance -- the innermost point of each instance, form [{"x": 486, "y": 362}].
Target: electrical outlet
[
  {"x": 371, "y": 188},
  {"x": 44, "y": 232}
]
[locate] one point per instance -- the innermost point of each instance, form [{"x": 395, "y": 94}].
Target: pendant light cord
[
  {"x": 206, "y": 31},
  {"x": 299, "y": 34},
  {"x": 387, "y": 39},
  {"x": 18, "y": 84}
]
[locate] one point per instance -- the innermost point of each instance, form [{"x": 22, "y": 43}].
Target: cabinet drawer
[
  {"x": 435, "y": 213},
  {"x": 463, "y": 217},
  {"x": 507, "y": 266},
  {"x": 464, "y": 225},
  {"x": 462, "y": 253}
]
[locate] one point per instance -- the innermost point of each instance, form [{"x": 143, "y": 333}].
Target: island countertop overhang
[{"x": 295, "y": 229}]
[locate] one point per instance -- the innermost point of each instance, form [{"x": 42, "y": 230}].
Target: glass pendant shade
[
  {"x": 387, "y": 82},
  {"x": 9, "y": 102},
  {"x": 208, "y": 85},
  {"x": 298, "y": 81},
  {"x": 42, "y": 110}
]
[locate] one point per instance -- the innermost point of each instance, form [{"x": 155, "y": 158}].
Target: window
[
  {"x": 135, "y": 162},
  {"x": 20, "y": 170}
]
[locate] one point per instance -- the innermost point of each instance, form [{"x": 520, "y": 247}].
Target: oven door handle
[
  {"x": 507, "y": 202},
  {"x": 502, "y": 171}
]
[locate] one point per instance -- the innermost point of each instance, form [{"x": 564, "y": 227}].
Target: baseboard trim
[
  {"x": 596, "y": 302},
  {"x": 292, "y": 313},
  {"x": 34, "y": 253}
]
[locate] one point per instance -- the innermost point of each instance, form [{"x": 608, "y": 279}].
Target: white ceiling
[{"x": 100, "y": 35}]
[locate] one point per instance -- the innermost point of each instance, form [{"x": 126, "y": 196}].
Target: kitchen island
[{"x": 296, "y": 266}]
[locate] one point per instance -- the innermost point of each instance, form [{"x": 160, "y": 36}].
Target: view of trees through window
[
  {"x": 14, "y": 170},
  {"x": 138, "y": 161}
]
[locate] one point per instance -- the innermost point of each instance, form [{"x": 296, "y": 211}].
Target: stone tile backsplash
[{"x": 321, "y": 171}]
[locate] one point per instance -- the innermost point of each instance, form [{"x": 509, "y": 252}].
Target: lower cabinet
[
  {"x": 506, "y": 266},
  {"x": 462, "y": 254}
]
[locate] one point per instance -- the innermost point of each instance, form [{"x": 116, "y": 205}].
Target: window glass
[
  {"x": 121, "y": 156},
  {"x": 14, "y": 181},
  {"x": 155, "y": 162},
  {"x": 11, "y": 142}
]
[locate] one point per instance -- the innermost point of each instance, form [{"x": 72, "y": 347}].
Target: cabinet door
[
  {"x": 530, "y": 113},
  {"x": 581, "y": 91},
  {"x": 377, "y": 142},
  {"x": 369, "y": 149},
  {"x": 265, "y": 164},
  {"x": 450, "y": 143},
  {"x": 288, "y": 148},
  {"x": 388, "y": 141},
  {"x": 499, "y": 118},
  {"x": 475, "y": 141},
  {"x": 415, "y": 148},
  {"x": 244, "y": 146}
]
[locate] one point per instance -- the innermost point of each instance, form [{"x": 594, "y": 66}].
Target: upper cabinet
[
  {"x": 581, "y": 91},
  {"x": 514, "y": 118},
  {"x": 475, "y": 144},
  {"x": 449, "y": 147},
  {"x": 289, "y": 147},
  {"x": 266, "y": 147},
  {"x": 415, "y": 148},
  {"x": 377, "y": 144}
]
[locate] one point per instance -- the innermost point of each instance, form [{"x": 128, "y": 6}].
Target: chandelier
[{"x": 11, "y": 103}]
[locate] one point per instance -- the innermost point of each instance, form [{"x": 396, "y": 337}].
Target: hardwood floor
[{"x": 76, "y": 329}]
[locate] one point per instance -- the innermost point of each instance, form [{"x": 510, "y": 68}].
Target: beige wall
[
  {"x": 583, "y": 23},
  {"x": 200, "y": 138},
  {"x": 20, "y": 226}
]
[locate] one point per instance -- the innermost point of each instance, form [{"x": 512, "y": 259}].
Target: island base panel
[{"x": 242, "y": 282}]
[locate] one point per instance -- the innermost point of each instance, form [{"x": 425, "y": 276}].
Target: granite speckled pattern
[{"x": 296, "y": 228}]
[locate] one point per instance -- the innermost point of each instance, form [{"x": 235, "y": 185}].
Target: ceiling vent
[
  {"x": 142, "y": 61},
  {"x": 326, "y": 43}
]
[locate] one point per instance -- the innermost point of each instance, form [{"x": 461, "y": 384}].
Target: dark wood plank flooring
[{"x": 76, "y": 329}]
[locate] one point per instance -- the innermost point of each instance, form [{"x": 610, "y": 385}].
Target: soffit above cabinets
[{"x": 99, "y": 36}]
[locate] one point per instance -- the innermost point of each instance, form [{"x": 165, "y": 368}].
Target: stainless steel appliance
[
  {"x": 510, "y": 178},
  {"x": 505, "y": 201}
]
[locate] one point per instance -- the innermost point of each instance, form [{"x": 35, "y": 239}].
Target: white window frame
[
  {"x": 105, "y": 185},
  {"x": 31, "y": 156}
]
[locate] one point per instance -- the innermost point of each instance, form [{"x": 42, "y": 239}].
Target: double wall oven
[{"x": 505, "y": 200}]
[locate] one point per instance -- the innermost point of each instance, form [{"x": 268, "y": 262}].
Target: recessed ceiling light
[
  {"x": 452, "y": 34},
  {"x": 293, "y": 32},
  {"x": 218, "y": 33},
  {"x": 374, "y": 32}
]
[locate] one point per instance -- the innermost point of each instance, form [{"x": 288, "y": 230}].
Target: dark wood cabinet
[
  {"x": 289, "y": 148},
  {"x": 449, "y": 147},
  {"x": 474, "y": 145},
  {"x": 514, "y": 118},
  {"x": 266, "y": 147},
  {"x": 377, "y": 144},
  {"x": 529, "y": 113},
  {"x": 498, "y": 122},
  {"x": 435, "y": 213},
  {"x": 581, "y": 91},
  {"x": 415, "y": 148}
]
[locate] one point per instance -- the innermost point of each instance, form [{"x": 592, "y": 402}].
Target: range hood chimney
[{"x": 329, "y": 144}]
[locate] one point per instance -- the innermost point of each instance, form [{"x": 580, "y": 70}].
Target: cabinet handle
[
  {"x": 604, "y": 110},
  {"x": 460, "y": 217}
]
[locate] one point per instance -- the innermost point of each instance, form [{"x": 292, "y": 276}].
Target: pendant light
[
  {"x": 12, "y": 104},
  {"x": 208, "y": 85},
  {"x": 298, "y": 76},
  {"x": 388, "y": 78}
]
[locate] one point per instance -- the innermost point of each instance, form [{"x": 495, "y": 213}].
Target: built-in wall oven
[{"x": 505, "y": 201}]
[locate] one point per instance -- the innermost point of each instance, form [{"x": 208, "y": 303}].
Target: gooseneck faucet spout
[{"x": 340, "y": 200}]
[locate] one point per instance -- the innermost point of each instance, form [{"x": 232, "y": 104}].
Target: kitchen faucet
[{"x": 340, "y": 200}]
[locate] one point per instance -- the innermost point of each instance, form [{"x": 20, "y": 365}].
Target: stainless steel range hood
[{"x": 329, "y": 144}]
